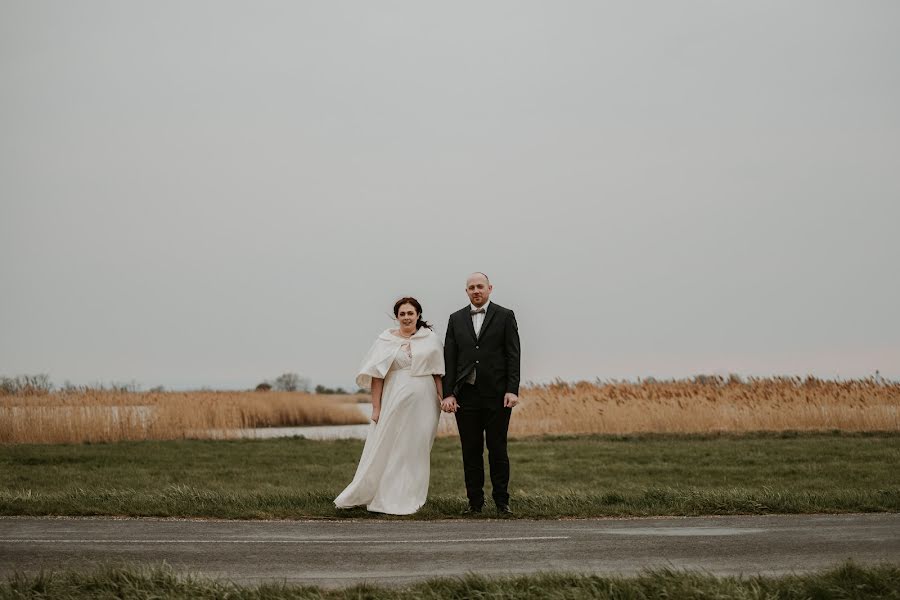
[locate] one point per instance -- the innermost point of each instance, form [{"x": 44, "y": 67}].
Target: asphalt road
[{"x": 344, "y": 552}]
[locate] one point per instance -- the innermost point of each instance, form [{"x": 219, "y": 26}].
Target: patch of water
[{"x": 319, "y": 432}]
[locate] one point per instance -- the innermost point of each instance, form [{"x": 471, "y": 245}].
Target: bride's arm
[
  {"x": 438, "y": 384},
  {"x": 377, "y": 386}
]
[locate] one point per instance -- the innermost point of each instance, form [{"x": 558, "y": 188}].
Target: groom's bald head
[{"x": 478, "y": 274}]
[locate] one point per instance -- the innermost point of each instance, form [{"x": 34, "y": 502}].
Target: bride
[{"x": 404, "y": 368}]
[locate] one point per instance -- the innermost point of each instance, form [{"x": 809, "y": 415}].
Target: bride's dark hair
[{"x": 415, "y": 303}]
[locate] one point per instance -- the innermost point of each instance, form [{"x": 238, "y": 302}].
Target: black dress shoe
[
  {"x": 472, "y": 510},
  {"x": 503, "y": 510}
]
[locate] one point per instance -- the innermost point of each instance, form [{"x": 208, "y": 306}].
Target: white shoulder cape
[{"x": 427, "y": 356}]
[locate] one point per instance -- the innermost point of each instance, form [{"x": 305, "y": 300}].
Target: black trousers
[{"x": 483, "y": 420}]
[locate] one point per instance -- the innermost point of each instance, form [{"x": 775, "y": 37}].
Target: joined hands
[{"x": 450, "y": 405}]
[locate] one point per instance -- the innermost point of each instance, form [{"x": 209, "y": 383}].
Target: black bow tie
[{"x": 477, "y": 312}]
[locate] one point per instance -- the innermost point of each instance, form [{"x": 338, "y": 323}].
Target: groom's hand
[
  {"x": 510, "y": 400},
  {"x": 448, "y": 404}
]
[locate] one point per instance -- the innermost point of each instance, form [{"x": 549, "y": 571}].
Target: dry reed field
[
  {"x": 707, "y": 404},
  {"x": 702, "y": 405},
  {"x": 107, "y": 416}
]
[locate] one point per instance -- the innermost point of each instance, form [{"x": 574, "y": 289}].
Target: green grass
[
  {"x": 551, "y": 477},
  {"x": 847, "y": 581}
]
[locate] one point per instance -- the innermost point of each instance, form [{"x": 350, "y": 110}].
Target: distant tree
[
  {"x": 265, "y": 386},
  {"x": 158, "y": 389},
  {"x": 291, "y": 382},
  {"x": 321, "y": 389}
]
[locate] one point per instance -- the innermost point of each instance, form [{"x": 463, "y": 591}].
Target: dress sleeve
[
  {"x": 376, "y": 363},
  {"x": 431, "y": 357}
]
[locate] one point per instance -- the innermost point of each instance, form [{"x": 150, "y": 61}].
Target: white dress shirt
[{"x": 478, "y": 320}]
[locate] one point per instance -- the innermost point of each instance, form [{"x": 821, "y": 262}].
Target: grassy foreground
[
  {"x": 551, "y": 477},
  {"x": 846, "y": 581}
]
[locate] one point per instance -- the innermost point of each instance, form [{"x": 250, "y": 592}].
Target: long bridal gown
[{"x": 394, "y": 469}]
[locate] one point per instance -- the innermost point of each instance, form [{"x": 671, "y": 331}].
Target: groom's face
[{"x": 478, "y": 289}]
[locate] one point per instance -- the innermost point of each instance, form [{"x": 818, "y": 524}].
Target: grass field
[
  {"x": 551, "y": 477},
  {"x": 846, "y": 581}
]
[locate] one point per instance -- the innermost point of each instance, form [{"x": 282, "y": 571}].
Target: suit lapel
[
  {"x": 488, "y": 315},
  {"x": 467, "y": 317}
]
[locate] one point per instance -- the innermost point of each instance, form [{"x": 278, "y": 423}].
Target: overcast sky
[{"x": 213, "y": 193}]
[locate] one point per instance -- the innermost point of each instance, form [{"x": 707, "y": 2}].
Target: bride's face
[{"x": 407, "y": 316}]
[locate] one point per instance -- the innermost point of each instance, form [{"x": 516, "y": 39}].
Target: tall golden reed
[
  {"x": 702, "y": 405},
  {"x": 710, "y": 404},
  {"x": 107, "y": 416}
]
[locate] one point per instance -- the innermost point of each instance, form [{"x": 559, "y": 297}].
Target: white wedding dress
[{"x": 394, "y": 469}]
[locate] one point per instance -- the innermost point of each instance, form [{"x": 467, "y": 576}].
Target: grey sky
[{"x": 213, "y": 193}]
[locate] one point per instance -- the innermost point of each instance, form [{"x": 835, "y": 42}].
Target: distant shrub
[{"x": 26, "y": 385}]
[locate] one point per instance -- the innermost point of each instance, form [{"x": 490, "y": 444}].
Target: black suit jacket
[{"x": 495, "y": 352}]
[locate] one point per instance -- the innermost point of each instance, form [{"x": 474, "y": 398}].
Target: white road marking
[{"x": 448, "y": 541}]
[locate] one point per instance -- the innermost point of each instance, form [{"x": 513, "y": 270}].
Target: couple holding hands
[{"x": 475, "y": 375}]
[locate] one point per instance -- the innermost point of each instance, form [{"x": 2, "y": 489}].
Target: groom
[{"x": 481, "y": 358}]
